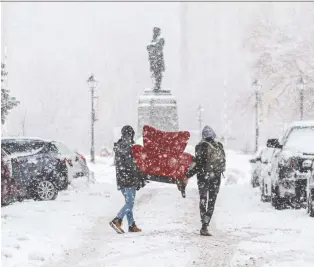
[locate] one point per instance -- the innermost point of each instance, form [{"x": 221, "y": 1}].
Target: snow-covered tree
[
  {"x": 280, "y": 52},
  {"x": 7, "y": 102}
]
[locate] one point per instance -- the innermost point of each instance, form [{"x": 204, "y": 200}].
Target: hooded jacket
[
  {"x": 127, "y": 173},
  {"x": 202, "y": 149}
]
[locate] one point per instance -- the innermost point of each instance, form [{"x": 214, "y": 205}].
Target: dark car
[
  {"x": 8, "y": 185},
  {"x": 37, "y": 169},
  {"x": 290, "y": 165}
]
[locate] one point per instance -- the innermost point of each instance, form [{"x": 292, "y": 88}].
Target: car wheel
[{"x": 46, "y": 190}]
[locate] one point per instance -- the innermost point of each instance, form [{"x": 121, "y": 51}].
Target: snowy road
[{"x": 246, "y": 232}]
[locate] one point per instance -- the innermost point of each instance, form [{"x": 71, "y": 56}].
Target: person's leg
[
  {"x": 203, "y": 192},
  {"x": 129, "y": 211},
  {"x": 116, "y": 223},
  {"x": 129, "y": 200},
  {"x": 123, "y": 210},
  {"x": 213, "y": 190}
]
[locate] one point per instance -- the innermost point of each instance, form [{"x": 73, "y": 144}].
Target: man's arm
[{"x": 201, "y": 151}]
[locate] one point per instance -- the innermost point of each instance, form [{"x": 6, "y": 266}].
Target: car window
[
  {"x": 50, "y": 148},
  {"x": 300, "y": 139},
  {"x": 21, "y": 146},
  {"x": 63, "y": 150}
]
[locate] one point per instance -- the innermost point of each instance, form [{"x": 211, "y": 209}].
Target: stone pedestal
[{"x": 157, "y": 109}]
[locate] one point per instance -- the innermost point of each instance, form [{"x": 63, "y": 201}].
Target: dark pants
[{"x": 208, "y": 190}]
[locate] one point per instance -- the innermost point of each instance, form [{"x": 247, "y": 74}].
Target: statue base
[{"x": 159, "y": 110}]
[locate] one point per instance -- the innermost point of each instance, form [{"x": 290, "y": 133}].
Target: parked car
[
  {"x": 256, "y": 167},
  {"x": 8, "y": 185},
  {"x": 310, "y": 190},
  {"x": 83, "y": 168},
  {"x": 290, "y": 165},
  {"x": 265, "y": 177},
  {"x": 76, "y": 161},
  {"x": 37, "y": 168}
]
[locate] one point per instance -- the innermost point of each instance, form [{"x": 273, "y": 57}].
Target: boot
[
  {"x": 204, "y": 231},
  {"x": 116, "y": 224},
  {"x": 133, "y": 228}
]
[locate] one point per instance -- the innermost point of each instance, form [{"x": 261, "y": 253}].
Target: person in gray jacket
[
  {"x": 129, "y": 179},
  {"x": 209, "y": 165}
]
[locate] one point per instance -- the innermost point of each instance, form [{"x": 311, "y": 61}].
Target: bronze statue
[{"x": 156, "y": 58}]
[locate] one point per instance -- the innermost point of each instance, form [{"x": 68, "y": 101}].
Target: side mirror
[{"x": 273, "y": 143}]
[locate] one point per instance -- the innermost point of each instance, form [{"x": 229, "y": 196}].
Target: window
[{"x": 301, "y": 139}]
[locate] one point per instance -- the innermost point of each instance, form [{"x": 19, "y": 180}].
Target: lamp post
[
  {"x": 200, "y": 111},
  {"x": 300, "y": 85},
  {"x": 257, "y": 88},
  {"x": 92, "y": 83}
]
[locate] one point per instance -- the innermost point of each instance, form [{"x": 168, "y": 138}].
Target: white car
[
  {"x": 256, "y": 167},
  {"x": 265, "y": 180},
  {"x": 290, "y": 165},
  {"x": 77, "y": 162}
]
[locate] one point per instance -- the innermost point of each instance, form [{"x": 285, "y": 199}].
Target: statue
[{"x": 156, "y": 58}]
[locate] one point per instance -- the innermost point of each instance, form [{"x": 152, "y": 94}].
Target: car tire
[{"x": 46, "y": 190}]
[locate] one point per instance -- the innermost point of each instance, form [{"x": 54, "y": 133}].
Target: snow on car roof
[
  {"x": 21, "y": 138},
  {"x": 302, "y": 124}
]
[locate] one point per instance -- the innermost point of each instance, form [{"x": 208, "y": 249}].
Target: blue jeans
[{"x": 129, "y": 196}]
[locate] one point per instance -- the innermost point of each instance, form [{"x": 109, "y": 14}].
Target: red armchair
[{"x": 163, "y": 154}]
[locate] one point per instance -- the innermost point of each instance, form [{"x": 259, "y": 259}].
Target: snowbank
[{"x": 35, "y": 231}]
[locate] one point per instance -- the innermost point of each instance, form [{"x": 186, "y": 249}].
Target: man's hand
[{"x": 185, "y": 180}]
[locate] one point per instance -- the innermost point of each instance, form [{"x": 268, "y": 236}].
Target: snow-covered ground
[{"x": 74, "y": 230}]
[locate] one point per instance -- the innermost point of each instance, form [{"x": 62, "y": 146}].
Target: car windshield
[
  {"x": 21, "y": 146},
  {"x": 301, "y": 139}
]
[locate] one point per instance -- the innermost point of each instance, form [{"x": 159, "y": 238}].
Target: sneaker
[
  {"x": 116, "y": 224},
  {"x": 204, "y": 231},
  {"x": 183, "y": 193},
  {"x": 133, "y": 228}
]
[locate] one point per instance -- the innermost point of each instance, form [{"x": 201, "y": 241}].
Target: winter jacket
[
  {"x": 201, "y": 157},
  {"x": 126, "y": 170}
]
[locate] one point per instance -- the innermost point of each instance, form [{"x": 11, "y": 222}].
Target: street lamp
[
  {"x": 257, "y": 89},
  {"x": 300, "y": 85},
  {"x": 92, "y": 84},
  {"x": 200, "y": 111}
]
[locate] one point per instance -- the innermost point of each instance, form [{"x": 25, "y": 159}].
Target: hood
[{"x": 208, "y": 132}]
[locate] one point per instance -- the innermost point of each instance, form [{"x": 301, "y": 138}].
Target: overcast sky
[{"x": 53, "y": 47}]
